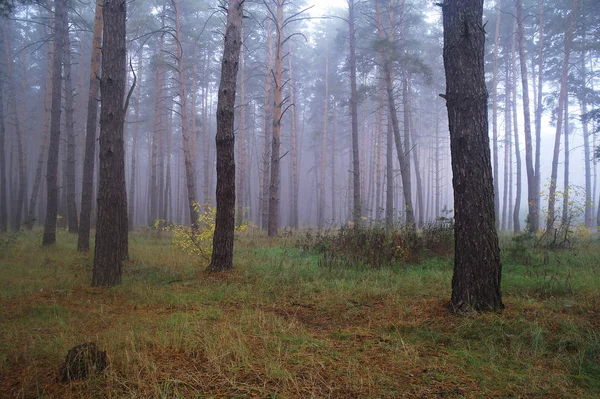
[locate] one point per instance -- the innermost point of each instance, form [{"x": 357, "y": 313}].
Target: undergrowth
[{"x": 279, "y": 325}]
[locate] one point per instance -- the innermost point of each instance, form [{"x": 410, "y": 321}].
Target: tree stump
[{"x": 82, "y": 361}]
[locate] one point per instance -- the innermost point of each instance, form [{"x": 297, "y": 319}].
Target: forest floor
[{"x": 281, "y": 326}]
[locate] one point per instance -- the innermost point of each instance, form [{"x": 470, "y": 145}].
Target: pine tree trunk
[
  {"x": 551, "y": 218},
  {"x": 323, "y": 167},
  {"x": 112, "y": 198},
  {"x": 495, "y": 118},
  {"x": 3, "y": 198},
  {"x": 400, "y": 151},
  {"x": 60, "y": 37},
  {"x": 20, "y": 139},
  {"x": 532, "y": 196},
  {"x": 538, "y": 112},
  {"x": 189, "y": 155},
  {"x": 266, "y": 157},
  {"x": 275, "y": 182},
  {"x": 241, "y": 166},
  {"x": 295, "y": 177},
  {"x": 415, "y": 152},
  {"x": 87, "y": 190},
  {"x": 565, "y": 202},
  {"x": 513, "y": 111},
  {"x": 222, "y": 254},
  {"x": 134, "y": 146},
  {"x": 477, "y": 269},
  {"x": 72, "y": 222},
  {"x": 356, "y": 200},
  {"x": 158, "y": 101},
  {"x": 43, "y": 141}
]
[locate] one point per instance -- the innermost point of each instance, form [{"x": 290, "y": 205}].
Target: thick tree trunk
[
  {"x": 357, "y": 204},
  {"x": 559, "y": 120},
  {"x": 112, "y": 198},
  {"x": 72, "y": 222},
  {"x": 222, "y": 254},
  {"x": 477, "y": 269},
  {"x": 532, "y": 196},
  {"x": 60, "y": 37},
  {"x": 275, "y": 182},
  {"x": 87, "y": 189}
]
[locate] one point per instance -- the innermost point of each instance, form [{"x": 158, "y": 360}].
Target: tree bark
[
  {"x": 275, "y": 182},
  {"x": 136, "y": 129},
  {"x": 477, "y": 268},
  {"x": 60, "y": 37},
  {"x": 20, "y": 139},
  {"x": 532, "y": 196},
  {"x": 559, "y": 120},
  {"x": 87, "y": 188},
  {"x": 72, "y": 222},
  {"x": 222, "y": 254},
  {"x": 112, "y": 198},
  {"x": 3, "y": 198},
  {"x": 357, "y": 204},
  {"x": 189, "y": 156}
]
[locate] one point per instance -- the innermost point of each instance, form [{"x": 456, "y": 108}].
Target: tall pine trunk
[
  {"x": 222, "y": 254},
  {"x": 87, "y": 190},
  {"x": 356, "y": 196},
  {"x": 477, "y": 268},
  {"x": 111, "y": 224},
  {"x": 60, "y": 37},
  {"x": 72, "y": 222}
]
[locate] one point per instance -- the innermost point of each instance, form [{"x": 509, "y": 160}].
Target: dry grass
[{"x": 281, "y": 327}]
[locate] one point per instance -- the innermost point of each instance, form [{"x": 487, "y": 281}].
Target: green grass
[{"x": 281, "y": 326}]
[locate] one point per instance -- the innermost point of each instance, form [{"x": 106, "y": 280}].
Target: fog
[{"x": 316, "y": 121}]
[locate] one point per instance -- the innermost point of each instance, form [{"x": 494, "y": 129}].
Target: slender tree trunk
[
  {"x": 112, "y": 198},
  {"x": 560, "y": 113},
  {"x": 323, "y": 168},
  {"x": 495, "y": 117},
  {"x": 60, "y": 37},
  {"x": 333, "y": 169},
  {"x": 266, "y": 171},
  {"x": 400, "y": 151},
  {"x": 589, "y": 195},
  {"x": 357, "y": 205},
  {"x": 274, "y": 187},
  {"x": 20, "y": 135},
  {"x": 241, "y": 166},
  {"x": 532, "y": 197},
  {"x": 70, "y": 130},
  {"x": 44, "y": 140},
  {"x": 3, "y": 198},
  {"x": 222, "y": 254},
  {"x": 477, "y": 268},
  {"x": 513, "y": 112},
  {"x": 87, "y": 190},
  {"x": 565, "y": 202},
  {"x": 134, "y": 145},
  {"x": 538, "y": 111},
  {"x": 294, "y": 149},
  {"x": 154, "y": 162},
  {"x": 415, "y": 151},
  {"x": 188, "y": 154},
  {"x": 389, "y": 172}
]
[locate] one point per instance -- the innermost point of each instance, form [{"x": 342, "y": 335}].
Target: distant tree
[
  {"x": 112, "y": 198},
  {"x": 83, "y": 240},
  {"x": 477, "y": 268},
  {"x": 3, "y": 213},
  {"x": 222, "y": 254},
  {"x": 60, "y": 38},
  {"x": 357, "y": 205}
]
